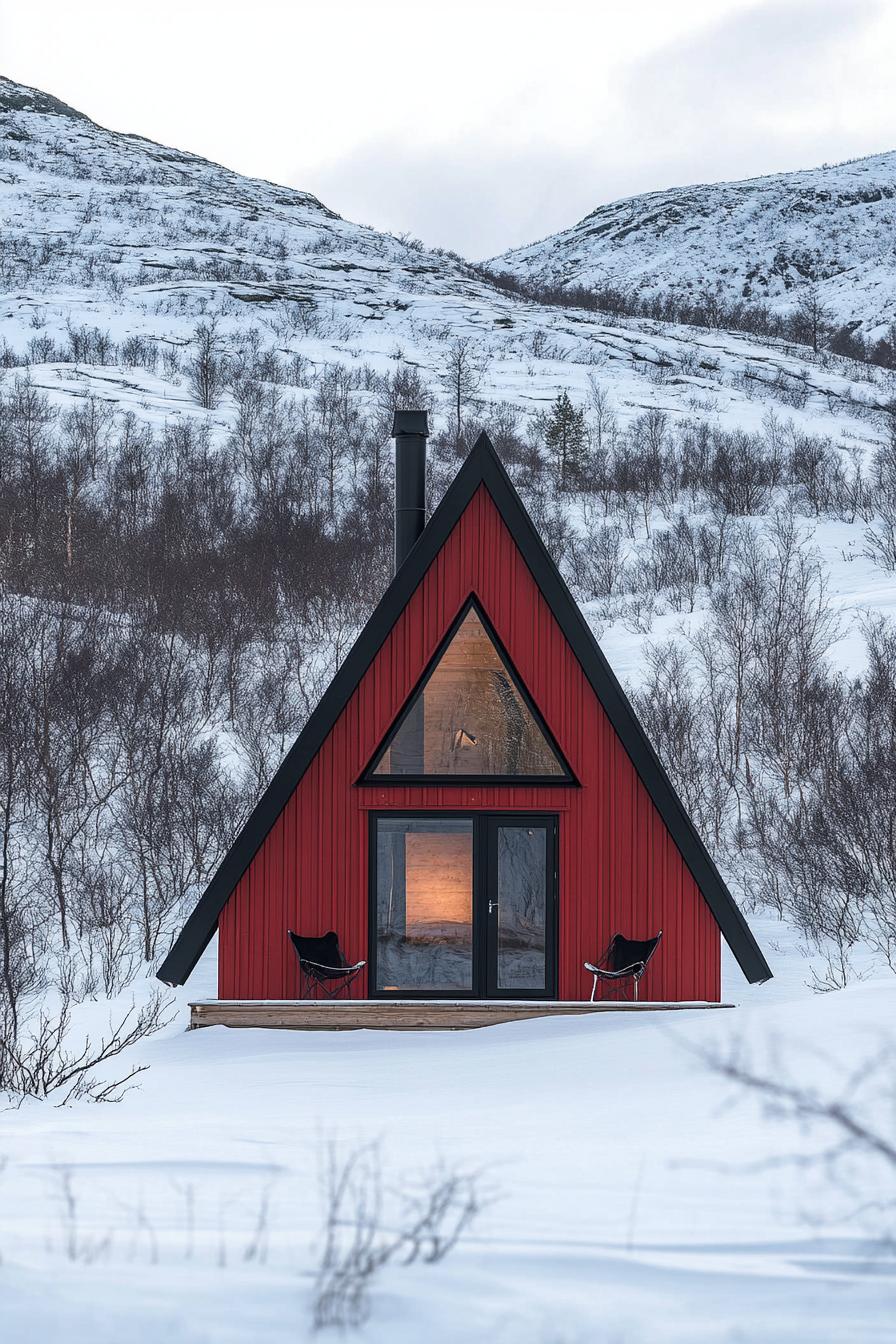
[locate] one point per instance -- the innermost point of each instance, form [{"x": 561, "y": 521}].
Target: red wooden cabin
[{"x": 473, "y": 806}]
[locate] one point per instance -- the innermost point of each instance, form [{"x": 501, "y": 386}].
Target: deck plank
[{"x": 402, "y": 1014}]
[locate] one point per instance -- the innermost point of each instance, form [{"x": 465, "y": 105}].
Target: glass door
[
  {"x": 423, "y": 873},
  {"x": 521, "y": 868},
  {"x": 463, "y": 906}
]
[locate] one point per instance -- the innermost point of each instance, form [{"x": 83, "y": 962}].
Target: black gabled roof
[{"x": 482, "y": 467}]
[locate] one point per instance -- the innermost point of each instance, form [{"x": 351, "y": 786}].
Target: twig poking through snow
[{"x": 359, "y": 1239}]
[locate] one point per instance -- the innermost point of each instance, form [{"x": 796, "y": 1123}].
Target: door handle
[{"x": 492, "y": 905}]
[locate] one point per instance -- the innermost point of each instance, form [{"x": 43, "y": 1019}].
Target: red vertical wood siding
[{"x": 619, "y": 867}]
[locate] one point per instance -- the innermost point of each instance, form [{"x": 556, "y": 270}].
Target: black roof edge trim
[
  {"x": 482, "y": 466},
  {"x": 200, "y": 926}
]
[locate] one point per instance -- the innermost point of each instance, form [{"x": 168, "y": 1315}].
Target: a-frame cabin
[{"x": 473, "y": 806}]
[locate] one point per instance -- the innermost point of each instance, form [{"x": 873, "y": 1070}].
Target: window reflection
[
  {"x": 469, "y": 718},
  {"x": 424, "y": 902}
]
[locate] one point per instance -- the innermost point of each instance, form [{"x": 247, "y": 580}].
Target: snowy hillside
[
  {"x": 155, "y": 308},
  {"x": 106, "y": 231},
  {"x": 87, "y": 210},
  {"x": 198, "y": 372},
  {"x": 763, "y": 240}
]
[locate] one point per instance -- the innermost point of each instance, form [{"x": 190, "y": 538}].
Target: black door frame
[
  {"x": 484, "y": 926},
  {"x": 492, "y": 822}
]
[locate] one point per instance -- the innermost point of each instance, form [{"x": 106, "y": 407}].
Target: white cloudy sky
[{"x": 478, "y": 125}]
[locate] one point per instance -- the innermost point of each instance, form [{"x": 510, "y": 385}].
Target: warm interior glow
[
  {"x": 438, "y": 882},
  {"x": 469, "y": 718}
]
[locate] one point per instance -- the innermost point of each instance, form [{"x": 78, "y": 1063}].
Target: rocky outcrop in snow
[{"x": 762, "y": 240}]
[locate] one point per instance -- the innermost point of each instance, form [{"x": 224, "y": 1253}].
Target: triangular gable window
[{"x": 470, "y": 718}]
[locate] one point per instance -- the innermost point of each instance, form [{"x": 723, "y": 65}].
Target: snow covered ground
[{"x": 639, "y": 1196}]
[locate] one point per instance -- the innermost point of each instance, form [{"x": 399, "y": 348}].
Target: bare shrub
[
  {"x": 673, "y": 710},
  {"x": 19, "y": 915},
  {"x": 41, "y": 1063},
  {"x": 880, "y": 537},
  {"x": 677, "y": 561},
  {"x": 740, "y": 474},
  {"x": 830, "y": 854},
  {"x": 367, "y": 1226},
  {"x": 793, "y": 630},
  {"x": 858, "y": 1158},
  {"x": 596, "y": 563},
  {"x": 816, "y": 470},
  {"x": 602, "y": 423},
  {"x": 80, "y": 1247},
  {"x": 462, "y": 376},
  {"x": 206, "y": 366},
  {"x": 785, "y": 765}
]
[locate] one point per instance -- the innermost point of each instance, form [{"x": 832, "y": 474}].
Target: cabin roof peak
[{"x": 482, "y": 467}]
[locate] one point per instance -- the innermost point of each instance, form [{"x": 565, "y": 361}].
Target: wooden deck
[{"x": 401, "y": 1014}]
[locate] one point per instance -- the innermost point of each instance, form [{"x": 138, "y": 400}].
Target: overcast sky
[{"x": 477, "y": 126}]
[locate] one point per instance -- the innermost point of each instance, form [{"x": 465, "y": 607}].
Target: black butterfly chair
[
  {"x": 322, "y": 967},
  {"x": 624, "y": 960}
]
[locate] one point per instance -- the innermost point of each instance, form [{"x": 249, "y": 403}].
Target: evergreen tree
[{"x": 565, "y": 437}]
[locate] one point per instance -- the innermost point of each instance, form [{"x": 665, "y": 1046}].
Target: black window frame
[
  {"x": 567, "y": 779},
  {"x": 484, "y": 857}
]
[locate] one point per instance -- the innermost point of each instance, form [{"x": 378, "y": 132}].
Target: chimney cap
[{"x": 410, "y": 422}]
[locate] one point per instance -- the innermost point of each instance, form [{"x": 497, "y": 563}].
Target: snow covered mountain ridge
[
  {"x": 18, "y": 101},
  {"x": 101, "y": 230},
  {"x": 762, "y": 240},
  {"x": 128, "y": 181}
]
